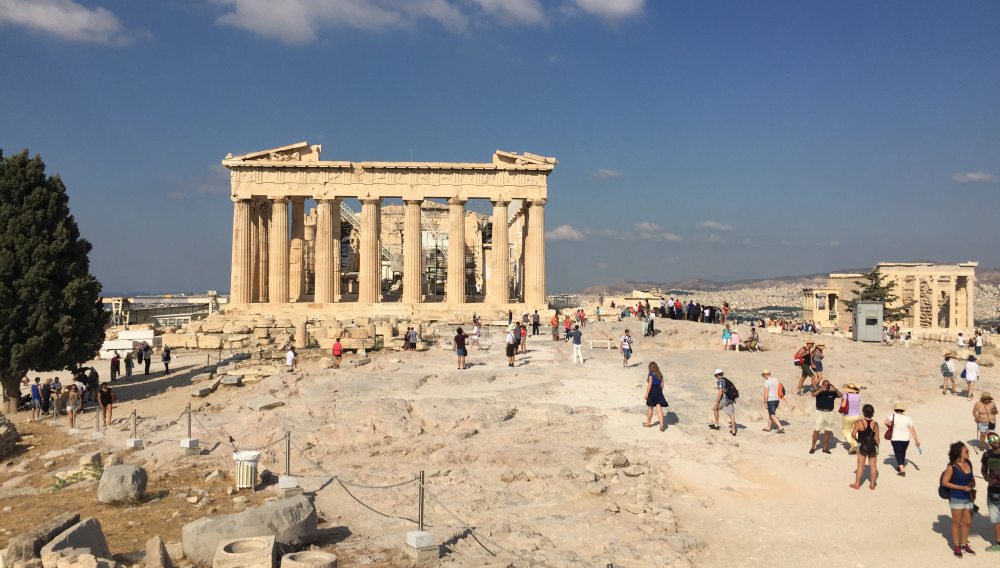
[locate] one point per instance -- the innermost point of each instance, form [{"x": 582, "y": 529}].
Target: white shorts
[{"x": 825, "y": 421}]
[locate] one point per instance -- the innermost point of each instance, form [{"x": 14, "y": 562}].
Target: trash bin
[
  {"x": 246, "y": 469},
  {"x": 379, "y": 342}
]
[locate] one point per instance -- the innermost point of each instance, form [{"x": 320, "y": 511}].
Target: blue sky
[{"x": 723, "y": 140}]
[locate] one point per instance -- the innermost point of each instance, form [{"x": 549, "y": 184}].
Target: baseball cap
[{"x": 718, "y": 371}]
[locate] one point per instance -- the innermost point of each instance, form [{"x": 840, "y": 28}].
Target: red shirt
[{"x": 338, "y": 349}]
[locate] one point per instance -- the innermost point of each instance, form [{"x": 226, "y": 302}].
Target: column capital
[
  {"x": 500, "y": 201},
  {"x": 418, "y": 200},
  {"x": 277, "y": 198},
  {"x": 372, "y": 200},
  {"x": 457, "y": 200},
  {"x": 540, "y": 201}
]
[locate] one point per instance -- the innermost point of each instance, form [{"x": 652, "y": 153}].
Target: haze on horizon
[{"x": 719, "y": 140}]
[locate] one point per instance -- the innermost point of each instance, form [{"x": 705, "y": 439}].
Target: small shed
[{"x": 868, "y": 321}]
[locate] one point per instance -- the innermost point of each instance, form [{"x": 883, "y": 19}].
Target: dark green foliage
[
  {"x": 51, "y": 316},
  {"x": 874, "y": 289}
]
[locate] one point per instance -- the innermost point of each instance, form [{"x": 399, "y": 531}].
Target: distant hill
[{"x": 984, "y": 276}]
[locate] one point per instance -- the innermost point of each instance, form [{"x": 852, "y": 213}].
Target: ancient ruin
[
  {"x": 392, "y": 261},
  {"x": 943, "y": 295}
]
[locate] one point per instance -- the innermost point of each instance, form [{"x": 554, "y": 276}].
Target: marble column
[
  {"x": 970, "y": 303},
  {"x": 296, "y": 253},
  {"x": 324, "y": 251},
  {"x": 917, "y": 296},
  {"x": 534, "y": 255},
  {"x": 335, "y": 205},
  {"x": 455, "y": 287},
  {"x": 413, "y": 257},
  {"x": 263, "y": 250},
  {"x": 498, "y": 287},
  {"x": 242, "y": 269},
  {"x": 277, "y": 285},
  {"x": 369, "y": 262}
]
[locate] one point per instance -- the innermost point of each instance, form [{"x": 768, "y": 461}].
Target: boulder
[
  {"x": 29, "y": 545},
  {"x": 8, "y": 436},
  {"x": 292, "y": 521},
  {"x": 156, "y": 554},
  {"x": 86, "y": 534},
  {"x": 122, "y": 483},
  {"x": 209, "y": 341}
]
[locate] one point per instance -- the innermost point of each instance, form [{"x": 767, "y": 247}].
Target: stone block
[
  {"x": 134, "y": 443},
  {"x": 90, "y": 459},
  {"x": 156, "y": 554},
  {"x": 253, "y": 552},
  {"x": 180, "y": 340},
  {"x": 232, "y": 380},
  {"x": 122, "y": 484},
  {"x": 201, "y": 390},
  {"x": 264, "y": 403},
  {"x": 237, "y": 327},
  {"x": 29, "y": 545},
  {"x": 189, "y": 443},
  {"x": 86, "y": 534},
  {"x": 213, "y": 325},
  {"x": 210, "y": 341},
  {"x": 201, "y": 377},
  {"x": 419, "y": 539},
  {"x": 287, "y": 482},
  {"x": 309, "y": 559},
  {"x": 362, "y": 361},
  {"x": 292, "y": 522}
]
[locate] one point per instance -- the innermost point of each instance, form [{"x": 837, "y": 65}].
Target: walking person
[
  {"x": 817, "y": 364},
  {"x": 554, "y": 322},
  {"x": 116, "y": 366},
  {"x": 106, "y": 398},
  {"x": 850, "y": 408},
  {"x": 971, "y": 374},
  {"x": 654, "y": 396},
  {"x": 460, "y": 349},
  {"x": 524, "y": 338},
  {"x": 577, "y": 337},
  {"x": 991, "y": 474},
  {"x": 826, "y": 420},
  {"x": 290, "y": 357},
  {"x": 511, "y": 345},
  {"x": 725, "y": 401},
  {"x": 626, "y": 348},
  {"x": 73, "y": 403},
  {"x": 948, "y": 373},
  {"x": 803, "y": 358},
  {"x": 958, "y": 479},
  {"x": 567, "y": 324},
  {"x": 166, "y": 360},
  {"x": 774, "y": 393},
  {"x": 984, "y": 412},
  {"x": 865, "y": 434},
  {"x": 727, "y": 334},
  {"x": 128, "y": 365},
  {"x": 535, "y": 321},
  {"x": 139, "y": 353},
  {"x": 899, "y": 431},
  {"x": 147, "y": 355},
  {"x": 338, "y": 353},
  {"x": 978, "y": 342}
]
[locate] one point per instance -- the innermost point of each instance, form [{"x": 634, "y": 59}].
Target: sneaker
[
  {"x": 993, "y": 548},
  {"x": 713, "y": 426},
  {"x": 958, "y": 551},
  {"x": 968, "y": 549}
]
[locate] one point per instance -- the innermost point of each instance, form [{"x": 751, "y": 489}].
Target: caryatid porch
[{"x": 268, "y": 260}]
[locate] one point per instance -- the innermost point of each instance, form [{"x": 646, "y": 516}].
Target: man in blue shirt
[
  {"x": 577, "y": 338},
  {"x": 36, "y": 399}
]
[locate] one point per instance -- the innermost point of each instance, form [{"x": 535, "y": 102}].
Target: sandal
[
  {"x": 714, "y": 426},
  {"x": 647, "y": 425},
  {"x": 826, "y": 451},
  {"x": 733, "y": 432}
]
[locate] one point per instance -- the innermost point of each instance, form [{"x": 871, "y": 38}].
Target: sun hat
[
  {"x": 718, "y": 371},
  {"x": 899, "y": 406},
  {"x": 986, "y": 396},
  {"x": 765, "y": 372},
  {"x": 852, "y": 387}
]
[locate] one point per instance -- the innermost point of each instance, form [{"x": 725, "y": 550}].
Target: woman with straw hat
[
  {"x": 948, "y": 373},
  {"x": 902, "y": 431},
  {"x": 984, "y": 413},
  {"x": 850, "y": 407}
]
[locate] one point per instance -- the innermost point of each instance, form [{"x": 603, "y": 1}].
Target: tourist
[
  {"x": 753, "y": 344},
  {"x": 991, "y": 474},
  {"x": 597, "y": 313},
  {"x": 817, "y": 364},
  {"x": 116, "y": 366},
  {"x": 725, "y": 311},
  {"x": 567, "y": 324},
  {"x": 128, "y": 365},
  {"x": 654, "y": 396},
  {"x": 850, "y": 408},
  {"x": 984, "y": 413},
  {"x": 626, "y": 348},
  {"x": 725, "y": 401},
  {"x": 535, "y": 321},
  {"x": 81, "y": 386},
  {"x": 510, "y": 317},
  {"x": 899, "y": 431},
  {"x": 57, "y": 397},
  {"x": 524, "y": 338},
  {"x": 865, "y": 435},
  {"x": 979, "y": 343},
  {"x": 105, "y": 398},
  {"x": 166, "y": 360},
  {"x": 971, "y": 374},
  {"x": 803, "y": 358},
  {"x": 961, "y": 341},
  {"x": 577, "y": 336},
  {"x": 948, "y": 374},
  {"x": 147, "y": 354},
  {"x": 826, "y": 420},
  {"x": 460, "y": 350},
  {"x": 414, "y": 339},
  {"x": 406, "y": 339},
  {"x": 474, "y": 338},
  {"x": 727, "y": 334},
  {"x": 338, "y": 353},
  {"x": 511, "y": 345},
  {"x": 960, "y": 482},
  {"x": 36, "y": 398},
  {"x": 735, "y": 341},
  {"x": 73, "y": 404},
  {"x": 773, "y": 395},
  {"x": 290, "y": 357},
  {"x": 139, "y": 353},
  {"x": 554, "y": 322}
]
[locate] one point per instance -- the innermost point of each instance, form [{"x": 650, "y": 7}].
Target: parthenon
[{"x": 287, "y": 259}]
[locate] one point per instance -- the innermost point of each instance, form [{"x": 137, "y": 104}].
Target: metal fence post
[
  {"x": 288, "y": 453},
  {"x": 189, "y": 420},
  {"x": 420, "y": 510}
]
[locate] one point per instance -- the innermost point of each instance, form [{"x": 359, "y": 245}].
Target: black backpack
[{"x": 730, "y": 390}]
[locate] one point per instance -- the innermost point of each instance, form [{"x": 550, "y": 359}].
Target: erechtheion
[
  {"x": 943, "y": 295},
  {"x": 286, "y": 260}
]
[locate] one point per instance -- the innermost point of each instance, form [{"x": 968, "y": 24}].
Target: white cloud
[
  {"x": 564, "y": 233},
  {"x": 833, "y": 243},
  {"x": 602, "y": 266},
  {"x": 604, "y": 173},
  {"x": 611, "y": 9},
  {"x": 713, "y": 238},
  {"x": 652, "y": 232},
  {"x": 514, "y": 11},
  {"x": 647, "y": 227},
  {"x": 65, "y": 19},
  {"x": 715, "y": 226},
  {"x": 974, "y": 177}
]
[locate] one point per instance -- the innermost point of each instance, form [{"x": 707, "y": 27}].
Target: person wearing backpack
[
  {"x": 948, "y": 373},
  {"x": 959, "y": 484},
  {"x": 865, "y": 433},
  {"x": 725, "y": 401}
]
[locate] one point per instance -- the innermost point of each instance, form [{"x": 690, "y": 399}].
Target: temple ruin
[
  {"x": 388, "y": 259},
  {"x": 943, "y": 295}
]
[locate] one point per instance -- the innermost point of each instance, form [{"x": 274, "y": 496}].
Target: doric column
[
  {"x": 335, "y": 205},
  {"x": 296, "y": 252},
  {"x": 953, "y": 302},
  {"x": 242, "y": 269},
  {"x": 413, "y": 257},
  {"x": 263, "y": 250},
  {"x": 324, "y": 252},
  {"x": 254, "y": 252},
  {"x": 534, "y": 255},
  {"x": 498, "y": 288},
  {"x": 370, "y": 263},
  {"x": 455, "y": 287},
  {"x": 917, "y": 296},
  {"x": 278, "y": 262}
]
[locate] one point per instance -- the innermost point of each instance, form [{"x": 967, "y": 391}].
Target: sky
[{"x": 720, "y": 140}]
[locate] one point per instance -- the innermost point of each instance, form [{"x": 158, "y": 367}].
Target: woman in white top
[
  {"x": 902, "y": 432},
  {"x": 971, "y": 373}
]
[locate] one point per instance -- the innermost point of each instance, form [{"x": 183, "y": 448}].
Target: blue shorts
[
  {"x": 627, "y": 353},
  {"x": 955, "y": 504},
  {"x": 462, "y": 352},
  {"x": 36, "y": 403},
  {"x": 819, "y": 366},
  {"x": 772, "y": 407}
]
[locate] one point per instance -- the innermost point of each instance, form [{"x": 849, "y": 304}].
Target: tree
[
  {"x": 874, "y": 289},
  {"x": 51, "y": 316}
]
